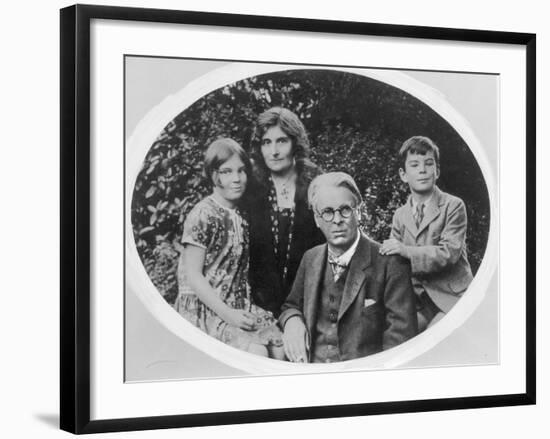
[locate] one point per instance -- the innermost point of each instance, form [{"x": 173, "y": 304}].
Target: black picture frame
[{"x": 75, "y": 217}]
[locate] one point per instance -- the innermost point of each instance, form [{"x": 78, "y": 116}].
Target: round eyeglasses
[{"x": 328, "y": 213}]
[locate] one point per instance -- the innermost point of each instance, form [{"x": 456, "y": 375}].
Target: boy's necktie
[{"x": 419, "y": 214}]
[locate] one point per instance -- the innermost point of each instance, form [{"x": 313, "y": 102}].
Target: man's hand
[
  {"x": 393, "y": 247},
  {"x": 295, "y": 339}
]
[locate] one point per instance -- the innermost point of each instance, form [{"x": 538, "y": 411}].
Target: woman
[
  {"x": 281, "y": 225},
  {"x": 213, "y": 271}
]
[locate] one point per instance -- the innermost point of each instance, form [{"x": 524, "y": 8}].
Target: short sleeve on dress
[{"x": 198, "y": 228}]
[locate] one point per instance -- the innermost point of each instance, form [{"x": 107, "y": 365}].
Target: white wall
[{"x": 30, "y": 203}]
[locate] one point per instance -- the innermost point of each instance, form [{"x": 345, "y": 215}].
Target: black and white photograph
[
  {"x": 275, "y": 219},
  {"x": 272, "y": 219},
  {"x": 293, "y": 219}
]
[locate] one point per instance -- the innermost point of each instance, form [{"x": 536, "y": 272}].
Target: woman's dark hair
[{"x": 293, "y": 127}]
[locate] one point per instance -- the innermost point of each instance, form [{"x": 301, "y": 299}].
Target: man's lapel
[
  {"x": 312, "y": 286},
  {"x": 356, "y": 275},
  {"x": 432, "y": 211}
]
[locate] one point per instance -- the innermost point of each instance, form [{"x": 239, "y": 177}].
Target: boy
[{"x": 430, "y": 231}]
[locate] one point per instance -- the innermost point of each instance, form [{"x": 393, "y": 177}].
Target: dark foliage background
[{"x": 356, "y": 125}]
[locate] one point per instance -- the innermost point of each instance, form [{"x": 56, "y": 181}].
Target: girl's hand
[
  {"x": 240, "y": 318},
  {"x": 192, "y": 262}
]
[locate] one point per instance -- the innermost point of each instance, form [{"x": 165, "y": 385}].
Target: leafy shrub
[{"x": 356, "y": 125}]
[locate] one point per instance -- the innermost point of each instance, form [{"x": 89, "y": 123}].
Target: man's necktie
[
  {"x": 338, "y": 269},
  {"x": 419, "y": 214}
]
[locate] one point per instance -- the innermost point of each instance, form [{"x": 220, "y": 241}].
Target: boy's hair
[
  {"x": 418, "y": 145},
  {"x": 219, "y": 152},
  {"x": 334, "y": 179}
]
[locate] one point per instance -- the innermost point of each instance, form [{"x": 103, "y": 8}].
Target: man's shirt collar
[{"x": 345, "y": 258}]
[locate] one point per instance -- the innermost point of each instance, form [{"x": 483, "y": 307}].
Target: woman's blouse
[{"x": 278, "y": 240}]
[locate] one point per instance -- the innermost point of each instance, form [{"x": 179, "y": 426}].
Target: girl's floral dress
[{"x": 223, "y": 233}]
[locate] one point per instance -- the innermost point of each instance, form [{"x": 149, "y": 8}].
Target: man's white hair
[{"x": 334, "y": 179}]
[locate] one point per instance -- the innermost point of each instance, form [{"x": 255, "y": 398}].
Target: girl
[{"x": 213, "y": 271}]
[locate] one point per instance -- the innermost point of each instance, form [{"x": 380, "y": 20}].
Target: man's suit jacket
[
  {"x": 377, "y": 311},
  {"x": 437, "y": 248}
]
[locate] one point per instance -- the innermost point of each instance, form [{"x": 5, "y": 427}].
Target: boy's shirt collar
[{"x": 414, "y": 203}]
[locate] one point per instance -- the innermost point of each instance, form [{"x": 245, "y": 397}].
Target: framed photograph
[{"x": 268, "y": 218}]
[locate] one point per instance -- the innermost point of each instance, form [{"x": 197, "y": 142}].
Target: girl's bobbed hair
[{"x": 218, "y": 152}]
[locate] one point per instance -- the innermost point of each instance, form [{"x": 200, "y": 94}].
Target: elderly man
[{"x": 347, "y": 301}]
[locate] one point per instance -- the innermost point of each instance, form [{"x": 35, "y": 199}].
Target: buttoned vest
[{"x": 325, "y": 344}]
